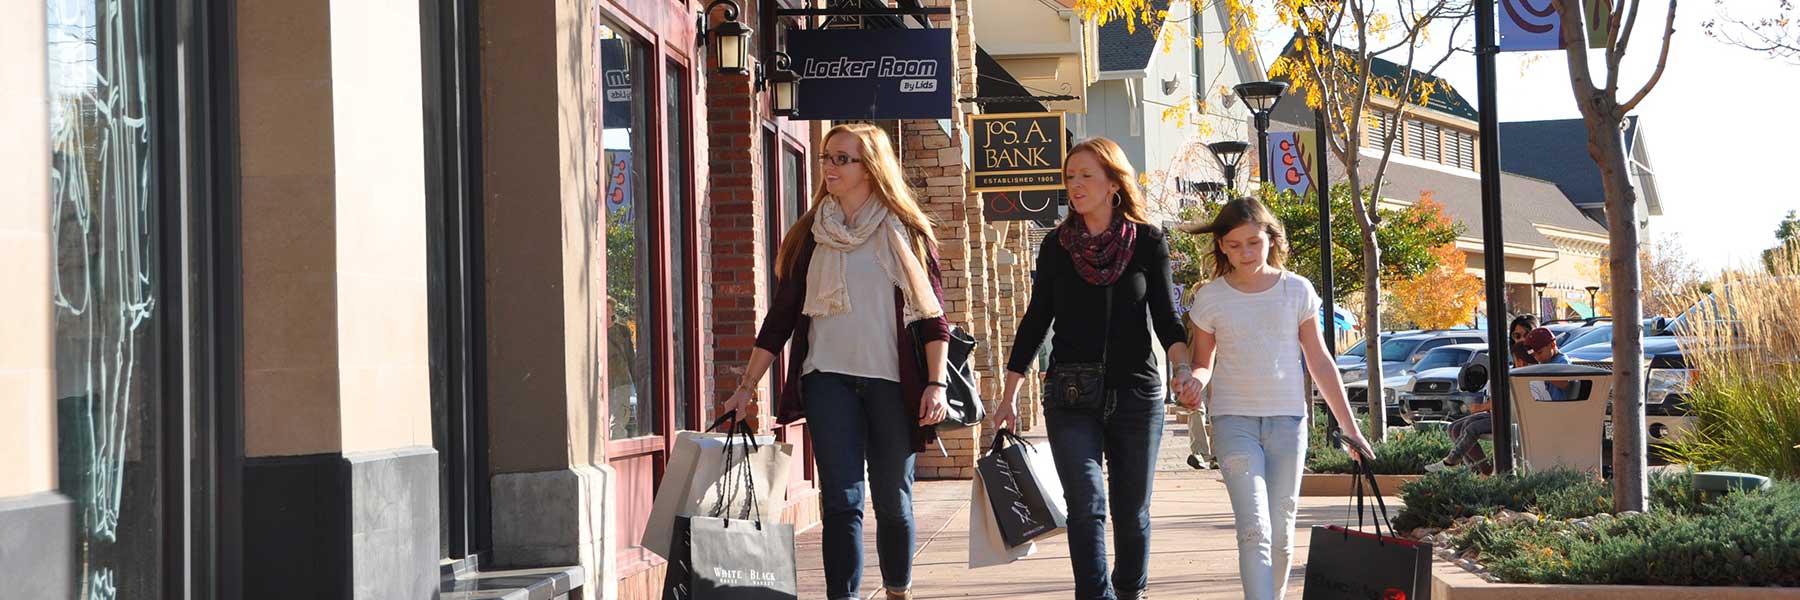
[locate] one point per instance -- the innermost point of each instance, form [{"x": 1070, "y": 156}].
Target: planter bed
[
  {"x": 1332, "y": 484},
  {"x": 1452, "y": 582}
]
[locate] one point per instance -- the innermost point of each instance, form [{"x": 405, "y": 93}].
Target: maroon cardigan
[{"x": 785, "y": 321}]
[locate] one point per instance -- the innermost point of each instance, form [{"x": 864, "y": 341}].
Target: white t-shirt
[
  {"x": 863, "y": 342},
  {"x": 1257, "y": 368}
]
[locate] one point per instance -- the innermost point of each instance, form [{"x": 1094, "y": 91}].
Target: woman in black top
[{"x": 1106, "y": 246}]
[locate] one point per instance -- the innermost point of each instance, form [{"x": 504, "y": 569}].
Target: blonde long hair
[
  {"x": 1237, "y": 212},
  {"x": 1118, "y": 169},
  {"x": 890, "y": 187}
]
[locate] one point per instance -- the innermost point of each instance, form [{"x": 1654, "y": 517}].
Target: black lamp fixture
[
  {"x": 1229, "y": 155},
  {"x": 1261, "y": 97},
  {"x": 731, "y": 52},
  {"x": 1593, "y": 290},
  {"x": 781, "y": 83},
  {"x": 1540, "y": 297}
]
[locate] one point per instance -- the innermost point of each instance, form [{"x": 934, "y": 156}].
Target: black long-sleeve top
[{"x": 1142, "y": 298}]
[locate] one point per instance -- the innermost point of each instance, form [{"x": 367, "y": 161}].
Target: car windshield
[
  {"x": 1400, "y": 349},
  {"x": 1598, "y": 334},
  {"x": 1359, "y": 348},
  {"x": 1443, "y": 357}
]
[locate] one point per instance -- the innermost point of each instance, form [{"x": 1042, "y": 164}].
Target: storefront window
[
  {"x": 681, "y": 227},
  {"x": 104, "y": 230},
  {"x": 631, "y": 297}
]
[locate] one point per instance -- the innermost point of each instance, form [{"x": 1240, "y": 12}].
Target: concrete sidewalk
[{"x": 1193, "y": 546}]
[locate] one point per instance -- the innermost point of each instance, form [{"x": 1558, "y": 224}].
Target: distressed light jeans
[{"x": 1261, "y": 458}]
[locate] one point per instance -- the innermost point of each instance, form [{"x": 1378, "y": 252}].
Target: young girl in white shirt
[{"x": 1255, "y": 325}]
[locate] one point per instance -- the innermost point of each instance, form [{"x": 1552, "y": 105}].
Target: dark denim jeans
[
  {"x": 853, "y": 419},
  {"x": 1127, "y": 440}
]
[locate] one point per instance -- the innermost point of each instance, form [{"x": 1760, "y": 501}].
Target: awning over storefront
[{"x": 1581, "y": 308}]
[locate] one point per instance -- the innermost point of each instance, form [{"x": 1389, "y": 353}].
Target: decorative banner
[
  {"x": 1532, "y": 25},
  {"x": 615, "y": 85},
  {"x": 1023, "y": 206},
  {"x": 618, "y": 185},
  {"x": 1294, "y": 158},
  {"x": 873, "y": 73},
  {"x": 1016, "y": 152}
]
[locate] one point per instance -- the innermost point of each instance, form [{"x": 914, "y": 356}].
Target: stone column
[
  {"x": 546, "y": 290},
  {"x": 32, "y": 513},
  {"x": 339, "y": 473}
]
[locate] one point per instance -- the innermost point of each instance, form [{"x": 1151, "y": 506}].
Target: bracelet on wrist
[{"x": 937, "y": 384}]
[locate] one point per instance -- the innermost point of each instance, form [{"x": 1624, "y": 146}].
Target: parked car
[
  {"x": 1401, "y": 353},
  {"x": 1353, "y": 354},
  {"x": 1601, "y": 333},
  {"x": 1432, "y": 393},
  {"x": 1567, "y": 329}
]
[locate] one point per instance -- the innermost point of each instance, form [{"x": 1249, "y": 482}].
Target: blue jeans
[
  {"x": 1127, "y": 440},
  {"x": 853, "y": 419},
  {"x": 1261, "y": 459}
]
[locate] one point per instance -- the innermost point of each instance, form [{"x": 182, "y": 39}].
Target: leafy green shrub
[
  {"x": 1742, "y": 540},
  {"x": 1439, "y": 499},
  {"x": 1405, "y": 453}
]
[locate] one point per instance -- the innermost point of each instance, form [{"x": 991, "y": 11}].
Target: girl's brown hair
[
  {"x": 1118, "y": 169},
  {"x": 1236, "y": 213},
  {"x": 890, "y": 187}
]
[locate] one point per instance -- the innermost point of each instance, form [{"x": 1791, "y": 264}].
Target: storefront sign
[
  {"x": 1533, "y": 25},
  {"x": 1022, "y": 206},
  {"x": 615, "y": 85},
  {"x": 1017, "y": 152},
  {"x": 873, "y": 73}
]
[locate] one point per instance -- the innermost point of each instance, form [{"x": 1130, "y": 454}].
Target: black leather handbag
[
  {"x": 1081, "y": 386},
  {"x": 959, "y": 378}
]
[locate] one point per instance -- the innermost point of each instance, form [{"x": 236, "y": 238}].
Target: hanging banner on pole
[
  {"x": 618, "y": 185},
  {"x": 1016, "y": 152},
  {"x": 1536, "y": 25},
  {"x": 1294, "y": 159}
]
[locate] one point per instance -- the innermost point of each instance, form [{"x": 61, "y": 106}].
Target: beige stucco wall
[
  {"x": 1046, "y": 49},
  {"x": 28, "y": 429},
  {"x": 378, "y": 116},
  {"x": 331, "y": 144},
  {"x": 545, "y": 257}
]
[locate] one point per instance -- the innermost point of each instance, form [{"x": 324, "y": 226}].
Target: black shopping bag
[
  {"x": 1019, "y": 504},
  {"x": 1350, "y": 563},
  {"x": 725, "y": 556}
]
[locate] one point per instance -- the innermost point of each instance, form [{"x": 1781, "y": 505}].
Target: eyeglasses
[{"x": 839, "y": 159}]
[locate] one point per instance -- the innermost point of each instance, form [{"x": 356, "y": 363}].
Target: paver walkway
[{"x": 1193, "y": 548}]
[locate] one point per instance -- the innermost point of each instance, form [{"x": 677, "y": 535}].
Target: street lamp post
[
  {"x": 1260, "y": 97},
  {"x": 1593, "y": 310},
  {"x": 1229, "y": 155},
  {"x": 1540, "y": 301}
]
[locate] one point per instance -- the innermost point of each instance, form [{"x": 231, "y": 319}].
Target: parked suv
[
  {"x": 1432, "y": 393},
  {"x": 1403, "y": 354}
]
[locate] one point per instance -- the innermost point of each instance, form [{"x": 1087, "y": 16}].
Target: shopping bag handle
[
  {"x": 733, "y": 466},
  {"x": 1368, "y": 473},
  {"x": 1004, "y": 434}
]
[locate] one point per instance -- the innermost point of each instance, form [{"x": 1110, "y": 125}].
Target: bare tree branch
[
  {"x": 1662, "y": 62},
  {"x": 1616, "y": 54}
]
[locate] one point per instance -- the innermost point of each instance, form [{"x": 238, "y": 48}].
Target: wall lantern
[
  {"x": 731, "y": 47},
  {"x": 782, "y": 84}
]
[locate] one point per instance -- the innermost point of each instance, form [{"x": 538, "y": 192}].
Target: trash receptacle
[{"x": 1560, "y": 411}]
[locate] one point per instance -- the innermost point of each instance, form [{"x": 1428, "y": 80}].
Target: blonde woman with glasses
[{"x": 855, "y": 271}]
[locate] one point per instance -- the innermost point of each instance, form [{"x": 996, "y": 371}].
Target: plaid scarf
[{"x": 1099, "y": 258}]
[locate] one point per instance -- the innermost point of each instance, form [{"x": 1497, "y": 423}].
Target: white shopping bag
[
  {"x": 693, "y": 480},
  {"x": 986, "y": 546}
]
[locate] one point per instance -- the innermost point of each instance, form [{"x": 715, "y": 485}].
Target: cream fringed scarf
[{"x": 826, "y": 291}]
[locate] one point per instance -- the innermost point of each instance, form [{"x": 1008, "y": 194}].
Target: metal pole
[
  {"x": 1492, "y": 242},
  {"x": 1230, "y": 180},
  {"x": 1262, "y": 146},
  {"x": 1322, "y": 183}
]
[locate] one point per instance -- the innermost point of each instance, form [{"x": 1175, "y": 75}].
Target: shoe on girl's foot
[
  {"x": 1437, "y": 466},
  {"x": 893, "y": 594}
]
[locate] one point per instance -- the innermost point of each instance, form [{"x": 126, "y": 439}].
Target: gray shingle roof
[
  {"x": 1526, "y": 201},
  {"x": 1557, "y": 151},
  {"x": 1123, "y": 50}
]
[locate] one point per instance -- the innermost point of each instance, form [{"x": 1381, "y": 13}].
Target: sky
[{"x": 1721, "y": 124}]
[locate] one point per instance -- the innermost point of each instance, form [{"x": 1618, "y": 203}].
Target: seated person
[
  {"x": 1467, "y": 431},
  {"x": 1542, "y": 346}
]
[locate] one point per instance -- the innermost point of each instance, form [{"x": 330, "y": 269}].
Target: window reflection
[{"x": 630, "y": 296}]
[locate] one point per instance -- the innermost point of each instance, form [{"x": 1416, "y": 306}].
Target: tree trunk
[
  {"x": 1630, "y": 486},
  {"x": 1377, "y": 398}
]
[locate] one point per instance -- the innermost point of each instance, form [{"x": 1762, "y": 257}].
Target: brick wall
[{"x": 736, "y": 261}]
